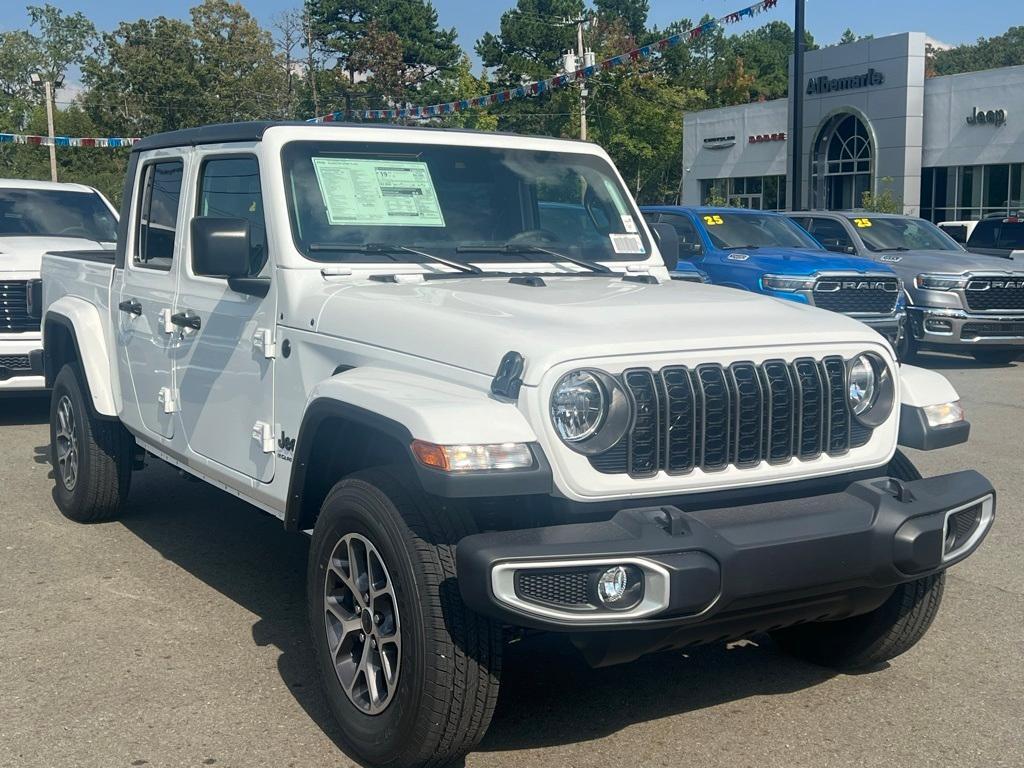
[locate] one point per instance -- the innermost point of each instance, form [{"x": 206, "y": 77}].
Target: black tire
[
  {"x": 450, "y": 657},
  {"x": 867, "y": 641},
  {"x": 995, "y": 356},
  {"x": 103, "y": 448},
  {"x": 906, "y": 347}
]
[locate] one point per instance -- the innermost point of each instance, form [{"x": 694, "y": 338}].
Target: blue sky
[{"x": 948, "y": 21}]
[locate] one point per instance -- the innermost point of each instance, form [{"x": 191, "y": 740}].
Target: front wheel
[{"x": 410, "y": 673}]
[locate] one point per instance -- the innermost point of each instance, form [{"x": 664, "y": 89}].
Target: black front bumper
[{"x": 729, "y": 563}]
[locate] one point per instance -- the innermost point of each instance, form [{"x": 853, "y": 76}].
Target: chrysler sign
[{"x": 821, "y": 85}]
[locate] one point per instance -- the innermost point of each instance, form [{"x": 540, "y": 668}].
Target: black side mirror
[
  {"x": 668, "y": 243},
  {"x": 220, "y": 247}
]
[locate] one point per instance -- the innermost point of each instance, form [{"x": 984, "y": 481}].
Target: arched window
[{"x": 841, "y": 164}]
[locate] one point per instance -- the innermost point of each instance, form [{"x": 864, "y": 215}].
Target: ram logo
[
  {"x": 833, "y": 286},
  {"x": 984, "y": 285}
]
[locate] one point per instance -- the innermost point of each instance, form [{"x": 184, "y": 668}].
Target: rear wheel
[
  {"x": 866, "y": 641},
  {"x": 996, "y": 356},
  {"x": 906, "y": 347},
  {"x": 410, "y": 673},
  {"x": 91, "y": 457}
]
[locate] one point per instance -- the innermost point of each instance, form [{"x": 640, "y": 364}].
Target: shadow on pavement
[
  {"x": 938, "y": 361},
  {"x": 18, "y": 410},
  {"x": 549, "y": 696}
]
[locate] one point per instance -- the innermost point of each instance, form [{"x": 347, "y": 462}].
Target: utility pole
[
  {"x": 583, "y": 83},
  {"x": 47, "y": 86},
  {"x": 796, "y": 93}
]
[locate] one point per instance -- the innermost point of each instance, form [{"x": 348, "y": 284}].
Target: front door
[
  {"x": 224, "y": 369},
  {"x": 146, "y": 297}
]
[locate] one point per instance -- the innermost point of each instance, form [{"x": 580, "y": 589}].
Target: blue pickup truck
[{"x": 769, "y": 254}]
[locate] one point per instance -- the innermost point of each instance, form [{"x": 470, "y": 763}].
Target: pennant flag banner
[
  {"x": 553, "y": 83},
  {"x": 109, "y": 142}
]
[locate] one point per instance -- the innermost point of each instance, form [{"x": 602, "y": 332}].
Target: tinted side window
[
  {"x": 830, "y": 234},
  {"x": 160, "y": 195},
  {"x": 689, "y": 240},
  {"x": 957, "y": 231},
  {"x": 229, "y": 187},
  {"x": 1011, "y": 235},
  {"x": 984, "y": 235}
]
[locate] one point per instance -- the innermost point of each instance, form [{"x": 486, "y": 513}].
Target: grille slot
[
  {"x": 14, "y": 317},
  {"x": 857, "y": 294},
  {"x": 16, "y": 362},
  {"x": 994, "y": 298},
  {"x": 557, "y": 587},
  {"x": 711, "y": 417}
]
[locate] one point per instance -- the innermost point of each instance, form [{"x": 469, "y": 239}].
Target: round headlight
[
  {"x": 870, "y": 389},
  {"x": 578, "y": 406},
  {"x": 861, "y": 384}
]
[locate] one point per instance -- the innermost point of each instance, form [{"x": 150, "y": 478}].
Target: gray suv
[{"x": 956, "y": 301}]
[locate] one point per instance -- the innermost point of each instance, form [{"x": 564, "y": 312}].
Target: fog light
[
  {"x": 936, "y": 325},
  {"x": 620, "y": 587}
]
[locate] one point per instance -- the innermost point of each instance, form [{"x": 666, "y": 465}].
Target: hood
[
  {"x": 25, "y": 254},
  {"x": 798, "y": 262},
  {"x": 472, "y": 322},
  {"x": 912, "y": 263}
]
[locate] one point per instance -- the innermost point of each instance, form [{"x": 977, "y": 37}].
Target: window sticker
[
  {"x": 713, "y": 220},
  {"x": 862, "y": 223},
  {"x": 626, "y": 243},
  {"x": 628, "y": 224},
  {"x": 387, "y": 193}
]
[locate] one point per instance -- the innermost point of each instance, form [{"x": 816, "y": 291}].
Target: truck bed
[{"x": 83, "y": 274}]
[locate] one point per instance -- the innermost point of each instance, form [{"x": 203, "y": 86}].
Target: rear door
[
  {"x": 147, "y": 295},
  {"x": 224, "y": 369}
]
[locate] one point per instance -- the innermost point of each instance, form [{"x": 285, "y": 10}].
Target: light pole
[
  {"x": 796, "y": 139},
  {"x": 48, "y": 87}
]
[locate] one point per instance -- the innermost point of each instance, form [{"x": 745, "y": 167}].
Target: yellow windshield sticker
[
  {"x": 713, "y": 219},
  {"x": 862, "y": 223},
  {"x": 383, "y": 193}
]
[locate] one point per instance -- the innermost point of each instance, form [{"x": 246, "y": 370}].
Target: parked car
[
  {"x": 1002, "y": 236},
  {"x": 766, "y": 253},
  {"x": 958, "y": 230},
  {"x": 488, "y": 426},
  {"x": 958, "y": 301},
  {"x": 36, "y": 217}
]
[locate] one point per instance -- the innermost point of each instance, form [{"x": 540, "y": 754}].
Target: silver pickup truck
[{"x": 957, "y": 301}]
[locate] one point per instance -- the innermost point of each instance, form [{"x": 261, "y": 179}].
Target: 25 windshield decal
[{"x": 712, "y": 220}]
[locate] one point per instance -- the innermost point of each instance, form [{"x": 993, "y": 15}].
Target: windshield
[
  {"x": 55, "y": 213},
  {"x": 481, "y": 203},
  {"x": 885, "y": 234},
  {"x": 755, "y": 230},
  {"x": 998, "y": 233}
]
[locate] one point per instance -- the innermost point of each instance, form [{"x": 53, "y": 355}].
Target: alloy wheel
[
  {"x": 363, "y": 631},
  {"x": 67, "y": 443}
]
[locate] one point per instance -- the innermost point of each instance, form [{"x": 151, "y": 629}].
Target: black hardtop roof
[{"x": 222, "y": 133}]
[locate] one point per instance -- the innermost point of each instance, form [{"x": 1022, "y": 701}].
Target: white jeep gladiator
[
  {"x": 490, "y": 425},
  {"x": 36, "y": 217}
]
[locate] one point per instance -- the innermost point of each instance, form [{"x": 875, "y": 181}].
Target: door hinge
[
  {"x": 169, "y": 399},
  {"x": 263, "y": 434},
  {"x": 264, "y": 339}
]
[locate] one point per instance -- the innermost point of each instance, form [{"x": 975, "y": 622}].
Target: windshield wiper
[
  {"x": 746, "y": 247},
  {"x": 394, "y": 248},
  {"x": 593, "y": 266},
  {"x": 896, "y": 248}
]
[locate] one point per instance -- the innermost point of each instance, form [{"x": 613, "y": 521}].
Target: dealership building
[{"x": 949, "y": 147}]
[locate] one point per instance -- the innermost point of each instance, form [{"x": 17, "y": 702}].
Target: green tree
[
  {"x": 765, "y": 52},
  {"x": 847, "y": 37},
  {"x": 19, "y": 58},
  {"x": 1004, "y": 50},
  {"x": 532, "y": 37},
  {"x": 62, "y": 39},
  {"x": 885, "y": 201},
  {"x": 632, "y": 12}
]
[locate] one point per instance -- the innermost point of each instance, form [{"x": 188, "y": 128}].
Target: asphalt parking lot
[{"x": 176, "y": 637}]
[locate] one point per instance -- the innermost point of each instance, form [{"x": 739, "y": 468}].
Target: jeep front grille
[
  {"x": 994, "y": 297},
  {"x": 14, "y": 317},
  {"x": 856, "y": 294},
  {"x": 710, "y": 417}
]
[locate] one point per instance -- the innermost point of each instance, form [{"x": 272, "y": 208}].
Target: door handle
[
  {"x": 130, "y": 306},
  {"x": 184, "y": 320}
]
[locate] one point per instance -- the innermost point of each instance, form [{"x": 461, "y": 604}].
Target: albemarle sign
[{"x": 823, "y": 84}]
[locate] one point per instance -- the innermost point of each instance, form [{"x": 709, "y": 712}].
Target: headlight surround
[
  {"x": 589, "y": 410},
  {"x": 870, "y": 389},
  {"x": 940, "y": 282},
  {"x": 787, "y": 284}
]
